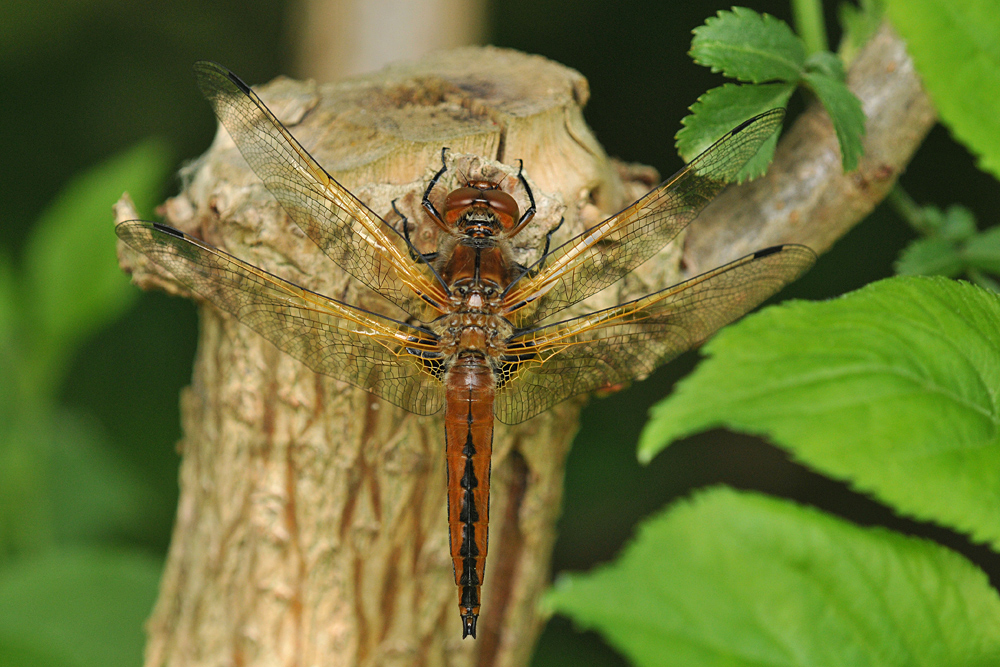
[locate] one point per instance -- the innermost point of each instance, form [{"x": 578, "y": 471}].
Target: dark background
[{"x": 85, "y": 80}]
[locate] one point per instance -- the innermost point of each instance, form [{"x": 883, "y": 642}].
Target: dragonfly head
[{"x": 481, "y": 208}]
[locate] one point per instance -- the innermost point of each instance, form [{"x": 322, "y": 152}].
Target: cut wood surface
[{"x": 312, "y": 527}]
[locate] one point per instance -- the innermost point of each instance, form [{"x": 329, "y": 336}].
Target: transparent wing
[
  {"x": 390, "y": 359},
  {"x": 607, "y": 348},
  {"x": 604, "y": 253},
  {"x": 350, "y": 233}
]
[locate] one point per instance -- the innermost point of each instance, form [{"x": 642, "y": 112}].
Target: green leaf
[
  {"x": 894, "y": 388},
  {"x": 844, "y": 109},
  {"x": 741, "y": 579},
  {"x": 720, "y": 110},
  {"x": 748, "y": 46},
  {"x": 983, "y": 251},
  {"x": 956, "y": 51},
  {"x": 930, "y": 257},
  {"x": 827, "y": 63},
  {"x": 73, "y": 281},
  {"x": 957, "y": 223},
  {"x": 85, "y": 607}
]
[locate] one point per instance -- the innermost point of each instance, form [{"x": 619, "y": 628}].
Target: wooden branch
[{"x": 311, "y": 527}]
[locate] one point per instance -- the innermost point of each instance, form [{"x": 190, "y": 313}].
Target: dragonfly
[{"x": 484, "y": 340}]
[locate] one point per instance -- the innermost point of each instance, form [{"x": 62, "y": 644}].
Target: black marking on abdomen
[{"x": 469, "y": 516}]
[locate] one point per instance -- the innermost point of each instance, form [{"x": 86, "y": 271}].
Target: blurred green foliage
[
  {"x": 76, "y": 607},
  {"x": 955, "y": 48},
  {"x": 60, "y": 482},
  {"x": 89, "y": 473},
  {"x": 88, "y": 397}
]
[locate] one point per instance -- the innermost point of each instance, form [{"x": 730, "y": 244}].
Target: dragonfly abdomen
[{"x": 468, "y": 419}]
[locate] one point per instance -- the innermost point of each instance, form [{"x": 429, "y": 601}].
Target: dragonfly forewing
[
  {"x": 611, "y": 347},
  {"x": 392, "y": 360}
]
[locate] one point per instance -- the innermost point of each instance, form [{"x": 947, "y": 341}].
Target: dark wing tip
[
  {"x": 206, "y": 69},
  {"x": 238, "y": 82},
  {"x": 797, "y": 247},
  {"x": 768, "y": 251},
  {"x": 168, "y": 230},
  {"x": 469, "y": 625},
  {"x": 799, "y": 255}
]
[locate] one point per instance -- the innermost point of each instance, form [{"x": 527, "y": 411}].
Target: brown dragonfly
[{"x": 483, "y": 344}]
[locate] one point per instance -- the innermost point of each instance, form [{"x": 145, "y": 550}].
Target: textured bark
[{"x": 312, "y": 521}]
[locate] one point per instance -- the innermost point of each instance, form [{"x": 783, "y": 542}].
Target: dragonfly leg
[
  {"x": 530, "y": 212},
  {"x": 521, "y": 271},
  {"x": 548, "y": 240},
  {"x": 540, "y": 264},
  {"x": 415, "y": 255},
  {"x": 426, "y": 201}
]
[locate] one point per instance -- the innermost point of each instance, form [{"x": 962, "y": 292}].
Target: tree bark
[{"x": 312, "y": 520}]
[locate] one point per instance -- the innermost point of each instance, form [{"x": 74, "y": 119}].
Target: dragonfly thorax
[
  {"x": 467, "y": 333},
  {"x": 476, "y": 296}
]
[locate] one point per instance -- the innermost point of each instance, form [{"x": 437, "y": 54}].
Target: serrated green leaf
[
  {"x": 956, "y": 51},
  {"x": 983, "y": 251},
  {"x": 846, "y": 113},
  {"x": 84, "y": 606},
  {"x": 73, "y": 282},
  {"x": 894, "y": 388},
  {"x": 720, "y": 110},
  {"x": 748, "y": 46},
  {"x": 741, "y": 579},
  {"x": 930, "y": 257}
]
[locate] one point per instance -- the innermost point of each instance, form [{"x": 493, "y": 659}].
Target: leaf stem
[
  {"x": 810, "y": 24},
  {"x": 904, "y": 206}
]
